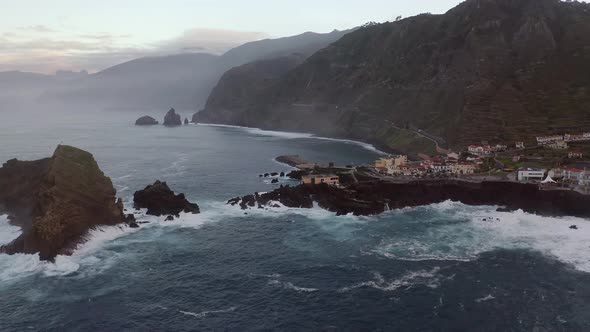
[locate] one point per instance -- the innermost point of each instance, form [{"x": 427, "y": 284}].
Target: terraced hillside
[{"x": 497, "y": 70}]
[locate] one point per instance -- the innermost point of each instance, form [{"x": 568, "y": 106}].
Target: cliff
[
  {"x": 242, "y": 88},
  {"x": 56, "y": 201},
  {"x": 497, "y": 70},
  {"x": 378, "y": 197}
]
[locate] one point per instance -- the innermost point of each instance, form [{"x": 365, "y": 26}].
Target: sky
[{"x": 48, "y": 35}]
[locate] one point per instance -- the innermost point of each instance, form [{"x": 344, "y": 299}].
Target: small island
[
  {"x": 172, "y": 119},
  {"x": 56, "y": 201},
  {"x": 146, "y": 121}
]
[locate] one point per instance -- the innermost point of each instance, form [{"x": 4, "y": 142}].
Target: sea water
[{"x": 446, "y": 266}]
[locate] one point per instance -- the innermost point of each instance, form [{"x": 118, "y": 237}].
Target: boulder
[
  {"x": 57, "y": 201},
  {"x": 160, "y": 200},
  {"x": 146, "y": 121},
  {"x": 172, "y": 119}
]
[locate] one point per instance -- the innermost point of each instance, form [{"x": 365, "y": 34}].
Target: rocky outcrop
[
  {"x": 495, "y": 70},
  {"x": 160, "y": 200},
  {"x": 172, "y": 119},
  {"x": 293, "y": 160},
  {"x": 146, "y": 121},
  {"x": 378, "y": 197},
  {"x": 57, "y": 201}
]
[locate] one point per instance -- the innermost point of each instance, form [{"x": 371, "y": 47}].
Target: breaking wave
[
  {"x": 294, "y": 135},
  {"x": 204, "y": 314},
  {"x": 454, "y": 231},
  {"x": 8, "y": 232},
  {"x": 90, "y": 257},
  {"x": 291, "y": 286},
  {"x": 427, "y": 278}
]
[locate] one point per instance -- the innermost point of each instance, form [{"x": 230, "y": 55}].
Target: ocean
[{"x": 434, "y": 268}]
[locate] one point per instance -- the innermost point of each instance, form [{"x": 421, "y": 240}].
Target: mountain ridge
[
  {"x": 497, "y": 70},
  {"x": 181, "y": 80}
]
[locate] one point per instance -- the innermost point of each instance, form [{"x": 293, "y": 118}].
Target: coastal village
[{"x": 555, "y": 162}]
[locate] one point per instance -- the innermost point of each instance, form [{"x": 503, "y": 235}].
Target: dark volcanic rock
[
  {"x": 146, "y": 121},
  {"x": 377, "y": 197},
  {"x": 160, "y": 200},
  {"x": 56, "y": 201},
  {"x": 172, "y": 119}
]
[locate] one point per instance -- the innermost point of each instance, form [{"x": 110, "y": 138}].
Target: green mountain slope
[{"x": 497, "y": 70}]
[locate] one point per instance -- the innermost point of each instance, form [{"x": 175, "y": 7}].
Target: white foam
[
  {"x": 316, "y": 213},
  {"x": 485, "y": 299},
  {"x": 422, "y": 277},
  {"x": 22, "y": 265},
  {"x": 291, "y": 286},
  {"x": 295, "y": 135},
  {"x": 207, "y": 313},
  {"x": 8, "y": 232},
  {"x": 481, "y": 229}
]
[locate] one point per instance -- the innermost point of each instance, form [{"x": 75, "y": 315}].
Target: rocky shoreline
[
  {"x": 57, "y": 200},
  {"x": 159, "y": 200},
  {"x": 373, "y": 198}
]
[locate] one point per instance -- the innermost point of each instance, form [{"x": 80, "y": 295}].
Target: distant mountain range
[
  {"x": 183, "y": 81},
  {"x": 496, "y": 70}
]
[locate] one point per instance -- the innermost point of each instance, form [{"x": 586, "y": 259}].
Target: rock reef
[
  {"x": 160, "y": 200},
  {"x": 56, "y": 201},
  {"x": 377, "y": 197},
  {"x": 146, "y": 121}
]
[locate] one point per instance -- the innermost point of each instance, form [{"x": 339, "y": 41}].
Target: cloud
[
  {"x": 94, "y": 52},
  {"x": 37, "y": 29},
  {"x": 214, "y": 41}
]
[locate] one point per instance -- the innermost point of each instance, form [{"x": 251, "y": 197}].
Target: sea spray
[{"x": 455, "y": 231}]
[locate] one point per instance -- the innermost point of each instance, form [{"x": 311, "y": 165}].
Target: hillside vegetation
[{"x": 496, "y": 70}]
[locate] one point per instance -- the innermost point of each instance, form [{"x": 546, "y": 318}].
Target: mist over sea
[{"x": 438, "y": 267}]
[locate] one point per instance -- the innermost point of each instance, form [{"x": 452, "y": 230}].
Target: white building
[
  {"x": 531, "y": 174},
  {"x": 543, "y": 140},
  {"x": 558, "y": 145},
  {"x": 576, "y": 176}
]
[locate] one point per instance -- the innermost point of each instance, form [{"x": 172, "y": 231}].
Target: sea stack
[
  {"x": 146, "y": 121},
  {"x": 172, "y": 119},
  {"x": 57, "y": 201},
  {"x": 160, "y": 200}
]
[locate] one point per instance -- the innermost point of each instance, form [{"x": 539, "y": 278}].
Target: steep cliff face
[
  {"x": 56, "y": 201},
  {"x": 499, "y": 70},
  {"x": 243, "y": 88}
]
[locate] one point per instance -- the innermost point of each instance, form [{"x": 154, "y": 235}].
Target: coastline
[
  {"x": 371, "y": 146},
  {"x": 374, "y": 198}
]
